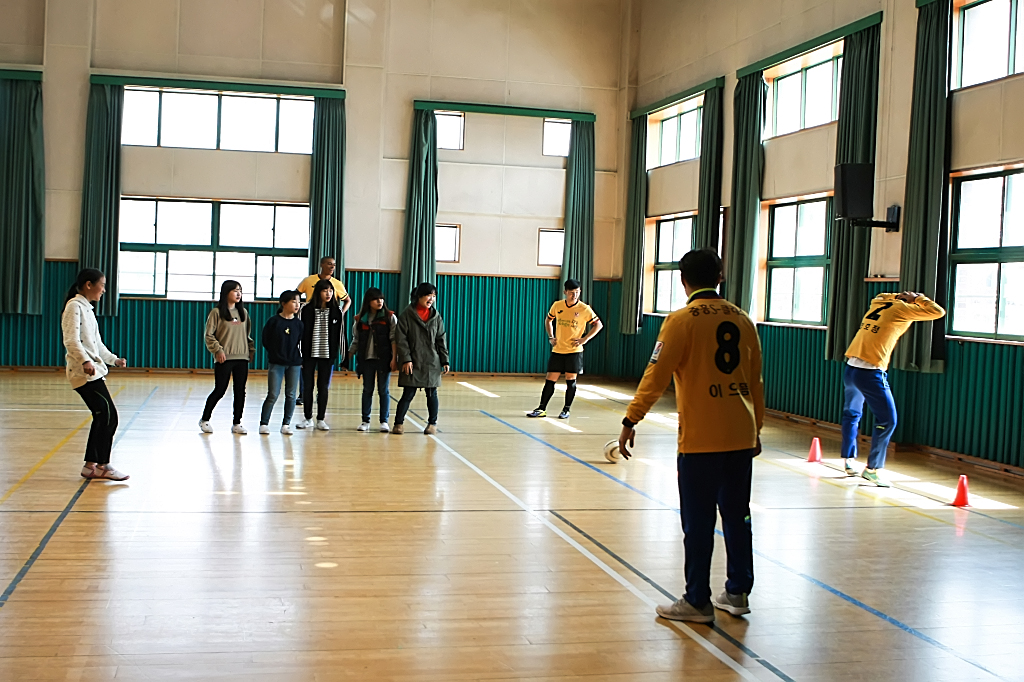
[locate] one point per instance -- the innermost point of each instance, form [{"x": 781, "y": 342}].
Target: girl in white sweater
[{"x": 87, "y": 359}]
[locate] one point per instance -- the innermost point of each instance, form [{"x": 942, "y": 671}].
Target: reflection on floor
[{"x": 507, "y": 548}]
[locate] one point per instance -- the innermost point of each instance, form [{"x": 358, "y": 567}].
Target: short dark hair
[
  {"x": 287, "y": 296},
  {"x": 571, "y": 284},
  {"x": 327, "y": 258},
  {"x": 701, "y": 268}
]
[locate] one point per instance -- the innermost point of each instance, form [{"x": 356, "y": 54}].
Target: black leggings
[
  {"x": 236, "y": 371},
  {"x": 104, "y": 421},
  {"x": 324, "y": 368}
]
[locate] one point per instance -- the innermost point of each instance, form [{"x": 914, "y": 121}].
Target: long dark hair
[
  {"x": 317, "y": 301},
  {"x": 422, "y": 289},
  {"x": 226, "y": 287},
  {"x": 372, "y": 294},
  {"x": 85, "y": 276}
]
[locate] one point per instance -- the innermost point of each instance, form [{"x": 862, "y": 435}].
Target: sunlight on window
[
  {"x": 986, "y": 45},
  {"x": 248, "y": 123},
  {"x": 557, "y": 137},
  {"x": 450, "y": 129},
  {"x": 550, "y": 247},
  {"x": 188, "y": 120},
  {"x": 139, "y": 117},
  {"x": 295, "y": 128}
]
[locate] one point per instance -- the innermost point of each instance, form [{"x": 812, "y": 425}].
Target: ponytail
[{"x": 85, "y": 276}]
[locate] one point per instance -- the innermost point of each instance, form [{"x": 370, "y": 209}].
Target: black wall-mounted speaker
[{"x": 855, "y": 190}]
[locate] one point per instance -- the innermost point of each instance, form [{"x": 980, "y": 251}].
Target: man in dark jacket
[{"x": 422, "y": 345}]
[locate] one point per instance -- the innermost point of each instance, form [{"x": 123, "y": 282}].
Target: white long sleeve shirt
[{"x": 83, "y": 343}]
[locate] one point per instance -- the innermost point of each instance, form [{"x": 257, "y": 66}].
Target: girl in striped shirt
[{"x": 322, "y": 341}]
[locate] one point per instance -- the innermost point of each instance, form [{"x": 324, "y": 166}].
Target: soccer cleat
[
  {"x": 365, "y": 426},
  {"x": 321, "y": 425},
  {"x": 684, "y": 610},
  {"x": 384, "y": 427},
  {"x": 304, "y": 424},
  {"x": 430, "y": 430},
  {"x": 537, "y": 413},
  {"x": 848, "y": 468},
  {"x": 736, "y": 604},
  {"x": 286, "y": 429},
  {"x": 205, "y": 427},
  {"x": 872, "y": 475},
  {"x": 398, "y": 429},
  {"x": 239, "y": 430},
  {"x": 264, "y": 429},
  {"x": 564, "y": 414}
]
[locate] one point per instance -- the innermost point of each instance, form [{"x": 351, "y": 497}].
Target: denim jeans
[
  {"x": 710, "y": 482},
  {"x": 405, "y": 401},
  {"x": 869, "y": 385},
  {"x": 275, "y": 375},
  {"x": 379, "y": 372}
]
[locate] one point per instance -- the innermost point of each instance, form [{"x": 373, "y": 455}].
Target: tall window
[
  {"x": 988, "y": 257},
  {"x": 808, "y": 94},
  {"x": 183, "y": 248},
  {"x": 446, "y": 243},
  {"x": 991, "y": 41},
  {"x": 550, "y": 247},
  {"x": 205, "y": 119},
  {"x": 451, "y": 129},
  {"x": 557, "y": 136},
  {"x": 674, "y": 239},
  {"x": 798, "y": 261}
]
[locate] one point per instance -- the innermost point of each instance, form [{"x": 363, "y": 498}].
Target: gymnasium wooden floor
[{"x": 504, "y": 549}]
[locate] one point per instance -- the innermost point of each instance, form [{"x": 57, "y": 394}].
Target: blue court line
[
  {"x": 60, "y": 519},
  {"x": 638, "y": 573},
  {"x": 814, "y": 581}
]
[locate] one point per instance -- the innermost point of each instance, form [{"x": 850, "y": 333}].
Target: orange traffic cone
[
  {"x": 815, "y": 454},
  {"x": 961, "y": 493}
]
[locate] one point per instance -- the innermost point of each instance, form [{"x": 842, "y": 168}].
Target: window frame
[
  {"x": 976, "y": 256},
  {"x": 1011, "y": 55},
  {"x": 214, "y": 246},
  {"x": 823, "y": 261},
  {"x": 660, "y": 266},
  {"x": 461, "y": 115},
  {"x": 550, "y": 229},
  {"x": 544, "y": 133},
  {"x": 458, "y": 242},
  {"x": 220, "y": 108},
  {"x": 678, "y": 119},
  {"x": 802, "y": 73}
]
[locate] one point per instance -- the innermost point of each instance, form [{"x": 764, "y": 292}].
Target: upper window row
[
  {"x": 448, "y": 244},
  {"x": 451, "y": 133},
  {"x": 990, "y": 41},
  {"x": 206, "y": 120},
  {"x": 673, "y": 133},
  {"x": 805, "y": 91}
]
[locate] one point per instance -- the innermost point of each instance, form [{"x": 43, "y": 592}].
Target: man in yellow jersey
[
  {"x": 711, "y": 348},
  {"x": 566, "y": 323},
  {"x": 864, "y": 379}
]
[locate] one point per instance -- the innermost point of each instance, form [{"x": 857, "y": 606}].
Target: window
[
  {"x": 674, "y": 238},
  {"x": 557, "y": 136},
  {"x": 550, "y": 247},
  {"x": 674, "y": 133},
  {"x": 184, "y": 249},
  {"x": 991, "y": 41},
  {"x": 988, "y": 256},
  {"x": 451, "y": 127},
  {"x": 805, "y": 93},
  {"x": 446, "y": 243},
  {"x": 798, "y": 261},
  {"x": 202, "y": 119}
]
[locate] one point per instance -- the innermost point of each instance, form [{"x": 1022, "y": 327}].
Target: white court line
[
  {"x": 560, "y": 424},
  {"x": 607, "y": 392},
  {"x": 477, "y": 389},
  {"x": 681, "y": 627},
  {"x": 947, "y": 493},
  {"x": 26, "y": 409}
]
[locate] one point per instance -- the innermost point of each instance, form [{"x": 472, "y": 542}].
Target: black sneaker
[
  {"x": 298, "y": 401},
  {"x": 537, "y": 413},
  {"x": 564, "y": 414}
]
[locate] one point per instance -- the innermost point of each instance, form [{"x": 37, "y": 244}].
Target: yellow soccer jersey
[
  {"x": 886, "y": 321},
  {"x": 570, "y": 323},
  {"x": 712, "y": 350}
]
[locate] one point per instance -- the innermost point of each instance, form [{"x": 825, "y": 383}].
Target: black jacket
[
  {"x": 335, "y": 334},
  {"x": 282, "y": 338},
  {"x": 424, "y": 344}
]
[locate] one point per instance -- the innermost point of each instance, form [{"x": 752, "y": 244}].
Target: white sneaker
[
  {"x": 304, "y": 424},
  {"x": 264, "y": 429},
  {"x": 205, "y": 427},
  {"x": 365, "y": 426},
  {"x": 286, "y": 429},
  {"x": 239, "y": 429},
  {"x": 384, "y": 428},
  {"x": 321, "y": 425}
]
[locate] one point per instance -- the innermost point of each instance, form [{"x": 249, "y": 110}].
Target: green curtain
[
  {"x": 747, "y": 175},
  {"x": 922, "y": 264},
  {"x": 22, "y": 197},
  {"x": 101, "y": 188},
  {"x": 419, "y": 263},
  {"x": 709, "y": 192},
  {"x": 855, "y": 143},
  {"x": 631, "y": 317},
  {"x": 578, "y": 257},
  {"x": 327, "y": 184}
]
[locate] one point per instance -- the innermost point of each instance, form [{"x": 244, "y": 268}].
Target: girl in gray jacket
[
  {"x": 87, "y": 359},
  {"x": 422, "y": 345},
  {"x": 228, "y": 337}
]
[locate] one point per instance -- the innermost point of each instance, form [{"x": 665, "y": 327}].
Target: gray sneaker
[
  {"x": 684, "y": 610},
  {"x": 736, "y": 604}
]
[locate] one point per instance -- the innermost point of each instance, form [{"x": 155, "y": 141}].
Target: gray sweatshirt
[{"x": 234, "y": 337}]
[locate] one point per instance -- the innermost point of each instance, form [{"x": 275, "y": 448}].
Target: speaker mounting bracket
[{"x": 892, "y": 224}]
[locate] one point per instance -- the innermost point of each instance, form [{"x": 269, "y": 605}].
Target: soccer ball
[{"x": 611, "y": 451}]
